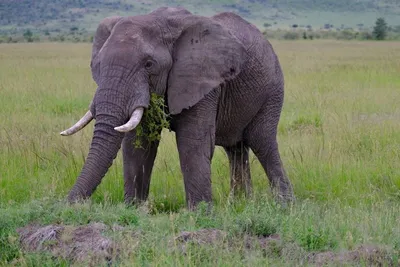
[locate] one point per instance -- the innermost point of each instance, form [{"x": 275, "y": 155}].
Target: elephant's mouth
[{"x": 133, "y": 121}]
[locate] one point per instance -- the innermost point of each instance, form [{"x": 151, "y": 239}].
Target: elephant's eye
[{"x": 148, "y": 64}]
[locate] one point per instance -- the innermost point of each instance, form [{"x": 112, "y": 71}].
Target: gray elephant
[{"x": 223, "y": 86}]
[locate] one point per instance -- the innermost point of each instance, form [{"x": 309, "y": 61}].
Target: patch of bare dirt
[
  {"x": 77, "y": 244},
  {"x": 367, "y": 254},
  {"x": 216, "y": 237},
  {"x": 200, "y": 237},
  {"x": 87, "y": 244},
  {"x": 263, "y": 242}
]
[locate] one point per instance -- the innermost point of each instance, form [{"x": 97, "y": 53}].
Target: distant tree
[
  {"x": 304, "y": 35},
  {"x": 380, "y": 29},
  {"x": 28, "y": 35},
  {"x": 295, "y": 25},
  {"x": 266, "y": 25}
]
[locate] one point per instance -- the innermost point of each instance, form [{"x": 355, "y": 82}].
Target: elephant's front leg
[
  {"x": 138, "y": 165},
  {"x": 195, "y": 136}
]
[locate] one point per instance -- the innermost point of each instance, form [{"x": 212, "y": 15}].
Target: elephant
[{"x": 223, "y": 86}]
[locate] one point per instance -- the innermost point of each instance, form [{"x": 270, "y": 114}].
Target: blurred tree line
[{"x": 381, "y": 31}]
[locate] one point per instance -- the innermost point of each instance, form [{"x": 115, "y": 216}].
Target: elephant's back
[{"x": 243, "y": 30}]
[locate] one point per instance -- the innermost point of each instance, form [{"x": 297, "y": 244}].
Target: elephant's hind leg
[
  {"x": 238, "y": 156},
  {"x": 260, "y": 135},
  {"x": 138, "y": 165}
]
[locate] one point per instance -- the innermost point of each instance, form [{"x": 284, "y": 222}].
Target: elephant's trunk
[
  {"x": 103, "y": 150},
  {"x": 112, "y": 108}
]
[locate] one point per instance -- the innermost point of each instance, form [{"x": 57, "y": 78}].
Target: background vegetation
[
  {"x": 339, "y": 136},
  {"x": 76, "y": 20}
]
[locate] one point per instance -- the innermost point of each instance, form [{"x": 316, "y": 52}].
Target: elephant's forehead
[
  {"x": 142, "y": 26},
  {"x": 130, "y": 41}
]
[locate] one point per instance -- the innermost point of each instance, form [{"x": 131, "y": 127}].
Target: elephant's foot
[{"x": 284, "y": 199}]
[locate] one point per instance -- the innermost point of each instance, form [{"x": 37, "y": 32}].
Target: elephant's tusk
[
  {"x": 88, "y": 117},
  {"x": 133, "y": 121}
]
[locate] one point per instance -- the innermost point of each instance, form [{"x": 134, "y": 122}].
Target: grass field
[{"x": 339, "y": 138}]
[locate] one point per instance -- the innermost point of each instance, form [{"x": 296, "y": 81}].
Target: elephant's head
[{"x": 169, "y": 52}]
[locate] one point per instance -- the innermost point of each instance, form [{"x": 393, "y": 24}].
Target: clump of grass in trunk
[{"x": 155, "y": 118}]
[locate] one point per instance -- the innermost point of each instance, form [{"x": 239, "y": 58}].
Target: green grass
[{"x": 339, "y": 137}]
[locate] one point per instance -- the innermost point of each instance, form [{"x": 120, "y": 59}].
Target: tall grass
[{"x": 339, "y": 138}]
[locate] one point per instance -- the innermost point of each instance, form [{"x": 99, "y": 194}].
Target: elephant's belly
[
  {"x": 237, "y": 108},
  {"x": 231, "y": 124},
  {"x": 227, "y": 141},
  {"x": 229, "y": 130}
]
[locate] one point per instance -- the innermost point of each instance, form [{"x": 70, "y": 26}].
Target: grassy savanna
[{"x": 339, "y": 138}]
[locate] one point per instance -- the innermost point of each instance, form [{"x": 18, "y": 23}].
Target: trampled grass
[{"x": 339, "y": 138}]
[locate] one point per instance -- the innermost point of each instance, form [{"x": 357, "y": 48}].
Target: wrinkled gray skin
[{"x": 223, "y": 85}]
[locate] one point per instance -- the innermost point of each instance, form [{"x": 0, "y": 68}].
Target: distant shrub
[
  {"x": 366, "y": 35},
  {"x": 291, "y": 36},
  {"x": 396, "y": 29},
  {"x": 347, "y": 35}
]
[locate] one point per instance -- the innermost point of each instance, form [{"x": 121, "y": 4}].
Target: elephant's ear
[
  {"x": 205, "y": 55},
  {"x": 102, "y": 33}
]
